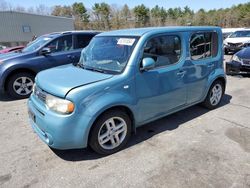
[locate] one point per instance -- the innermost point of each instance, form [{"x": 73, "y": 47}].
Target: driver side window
[{"x": 61, "y": 44}]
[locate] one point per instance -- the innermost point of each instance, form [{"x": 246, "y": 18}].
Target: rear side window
[
  {"x": 82, "y": 40},
  {"x": 165, "y": 50},
  {"x": 203, "y": 45}
]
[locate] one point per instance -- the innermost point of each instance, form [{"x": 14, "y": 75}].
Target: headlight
[
  {"x": 237, "y": 59},
  {"x": 61, "y": 106},
  {"x": 225, "y": 43}
]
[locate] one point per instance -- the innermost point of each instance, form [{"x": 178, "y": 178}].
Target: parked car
[
  {"x": 228, "y": 31},
  {"x": 17, "y": 70},
  {"x": 236, "y": 41},
  {"x": 2, "y": 47},
  {"x": 11, "y": 49},
  {"x": 240, "y": 63},
  {"x": 125, "y": 79}
]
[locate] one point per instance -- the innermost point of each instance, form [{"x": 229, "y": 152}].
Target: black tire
[
  {"x": 12, "y": 90},
  {"x": 207, "y": 102},
  {"x": 93, "y": 140}
]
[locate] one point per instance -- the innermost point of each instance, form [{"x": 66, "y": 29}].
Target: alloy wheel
[
  {"x": 112, "y": 133},
  {"x": 216, "y": 94},
  {"x": 23, "y": 86}
]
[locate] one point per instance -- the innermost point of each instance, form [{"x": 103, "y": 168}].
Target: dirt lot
[{"x": 191, "y": 148}]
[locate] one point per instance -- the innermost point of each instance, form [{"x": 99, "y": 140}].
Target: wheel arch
[
  {"x": 219, "y": 77},
  {"x": 222, "y": 79},
  {"x": 124, "y": 108},
  {"x": 15, "y": 71}
]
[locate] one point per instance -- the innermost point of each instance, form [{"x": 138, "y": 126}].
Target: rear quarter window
[
  {"x": 203, "y": 45},
  {"x": 82, "y": 40}
]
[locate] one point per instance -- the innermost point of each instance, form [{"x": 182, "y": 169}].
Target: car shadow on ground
[
  {"x": 145, "y": 132},
  {"x": 5, "y": 97}
]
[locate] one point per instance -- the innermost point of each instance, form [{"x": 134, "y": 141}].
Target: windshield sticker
[
  {"x": 46, "y": 38},
  {"x": 126, "y": 41}
]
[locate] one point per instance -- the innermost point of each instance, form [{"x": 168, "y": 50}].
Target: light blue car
[{"x": 124, "y": 79}]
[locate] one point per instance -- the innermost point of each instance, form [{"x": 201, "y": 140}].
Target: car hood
[
  {"x": 12, "y": 56},
  {"x": 238, "y": 40},
  {"x": 60, "y": 80},
  {"x": 244, "y": 53}
]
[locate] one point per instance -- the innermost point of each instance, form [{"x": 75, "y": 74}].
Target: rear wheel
[
  {"x": 111, "y": 132},
  {"x": 214, "y": 95},
  {"x": 20, "y": 85}
]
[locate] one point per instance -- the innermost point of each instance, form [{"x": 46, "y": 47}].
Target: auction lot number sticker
[{"x": 126, "y": 41}]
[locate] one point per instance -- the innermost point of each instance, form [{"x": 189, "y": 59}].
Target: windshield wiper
[
  {"x": 80, "y": 65},
  {"x": 90, "y": 68},
  {"x": 95, "y": 69}
]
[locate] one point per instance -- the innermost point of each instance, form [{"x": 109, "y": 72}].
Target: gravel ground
[{"x": 192, "y": 148}]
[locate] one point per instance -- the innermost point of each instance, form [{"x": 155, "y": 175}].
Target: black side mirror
[{"x": 45, "y": 51}]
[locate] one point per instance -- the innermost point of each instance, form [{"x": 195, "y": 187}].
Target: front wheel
[
  {"x": 214, "y": 95},
  {"x": 111, "y": 132},
  {"x": 20, "y": 85}
]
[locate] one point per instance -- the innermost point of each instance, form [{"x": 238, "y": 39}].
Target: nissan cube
[{"x": 125, "y": 79}]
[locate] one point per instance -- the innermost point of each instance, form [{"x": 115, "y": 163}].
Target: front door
[
  {"x": 62, "y": 52},
  {"x": 161, "y": 89}
]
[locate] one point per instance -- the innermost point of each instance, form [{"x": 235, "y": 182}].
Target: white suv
[{"x": 237, "y": 40}]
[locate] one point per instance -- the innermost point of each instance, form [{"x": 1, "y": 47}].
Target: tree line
[{"x": 103, "y": 16}]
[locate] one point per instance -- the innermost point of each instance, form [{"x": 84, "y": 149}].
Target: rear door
[{"x": 203, "y": 48}]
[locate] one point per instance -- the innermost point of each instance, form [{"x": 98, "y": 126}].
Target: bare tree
[
  {"x": 19, "y": 9},
  {"x": 42, "y": 9},
  {"x": 4, "y": 5},
  {"x": 31, "y": 10}
]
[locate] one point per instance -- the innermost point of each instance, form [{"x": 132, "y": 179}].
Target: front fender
[
  {"x": 10, "y": 67},
  {"x": 99, "y": 105},
  {"x": 109, "y": 100}
]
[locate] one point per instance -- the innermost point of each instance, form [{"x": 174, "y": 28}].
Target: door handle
[
  {"x": 181, "y": 73},
  {"x": 211, "y": 65},
  {"x": 71, "y": 56}
]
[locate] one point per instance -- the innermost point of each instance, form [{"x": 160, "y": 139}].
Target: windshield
[
  {"x": 240, "y": 34},
  {"x": 34, "y": 45},
  {"x": 108, "y": 54}
]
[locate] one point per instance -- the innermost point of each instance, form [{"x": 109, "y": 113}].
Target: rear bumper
[{"x": 234, "y": 67}]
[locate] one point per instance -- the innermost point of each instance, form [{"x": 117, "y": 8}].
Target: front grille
[
  {"x": 40, "y": 94},
  {"x": 235, "y": 44},
  {"x": 246, "y": 61}
]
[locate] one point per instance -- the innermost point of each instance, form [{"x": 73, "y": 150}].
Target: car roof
[
  {"x": 243, "y": 30},
  {"x": 142, "y": 31},
  {"x": 54, "y": 34}
]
